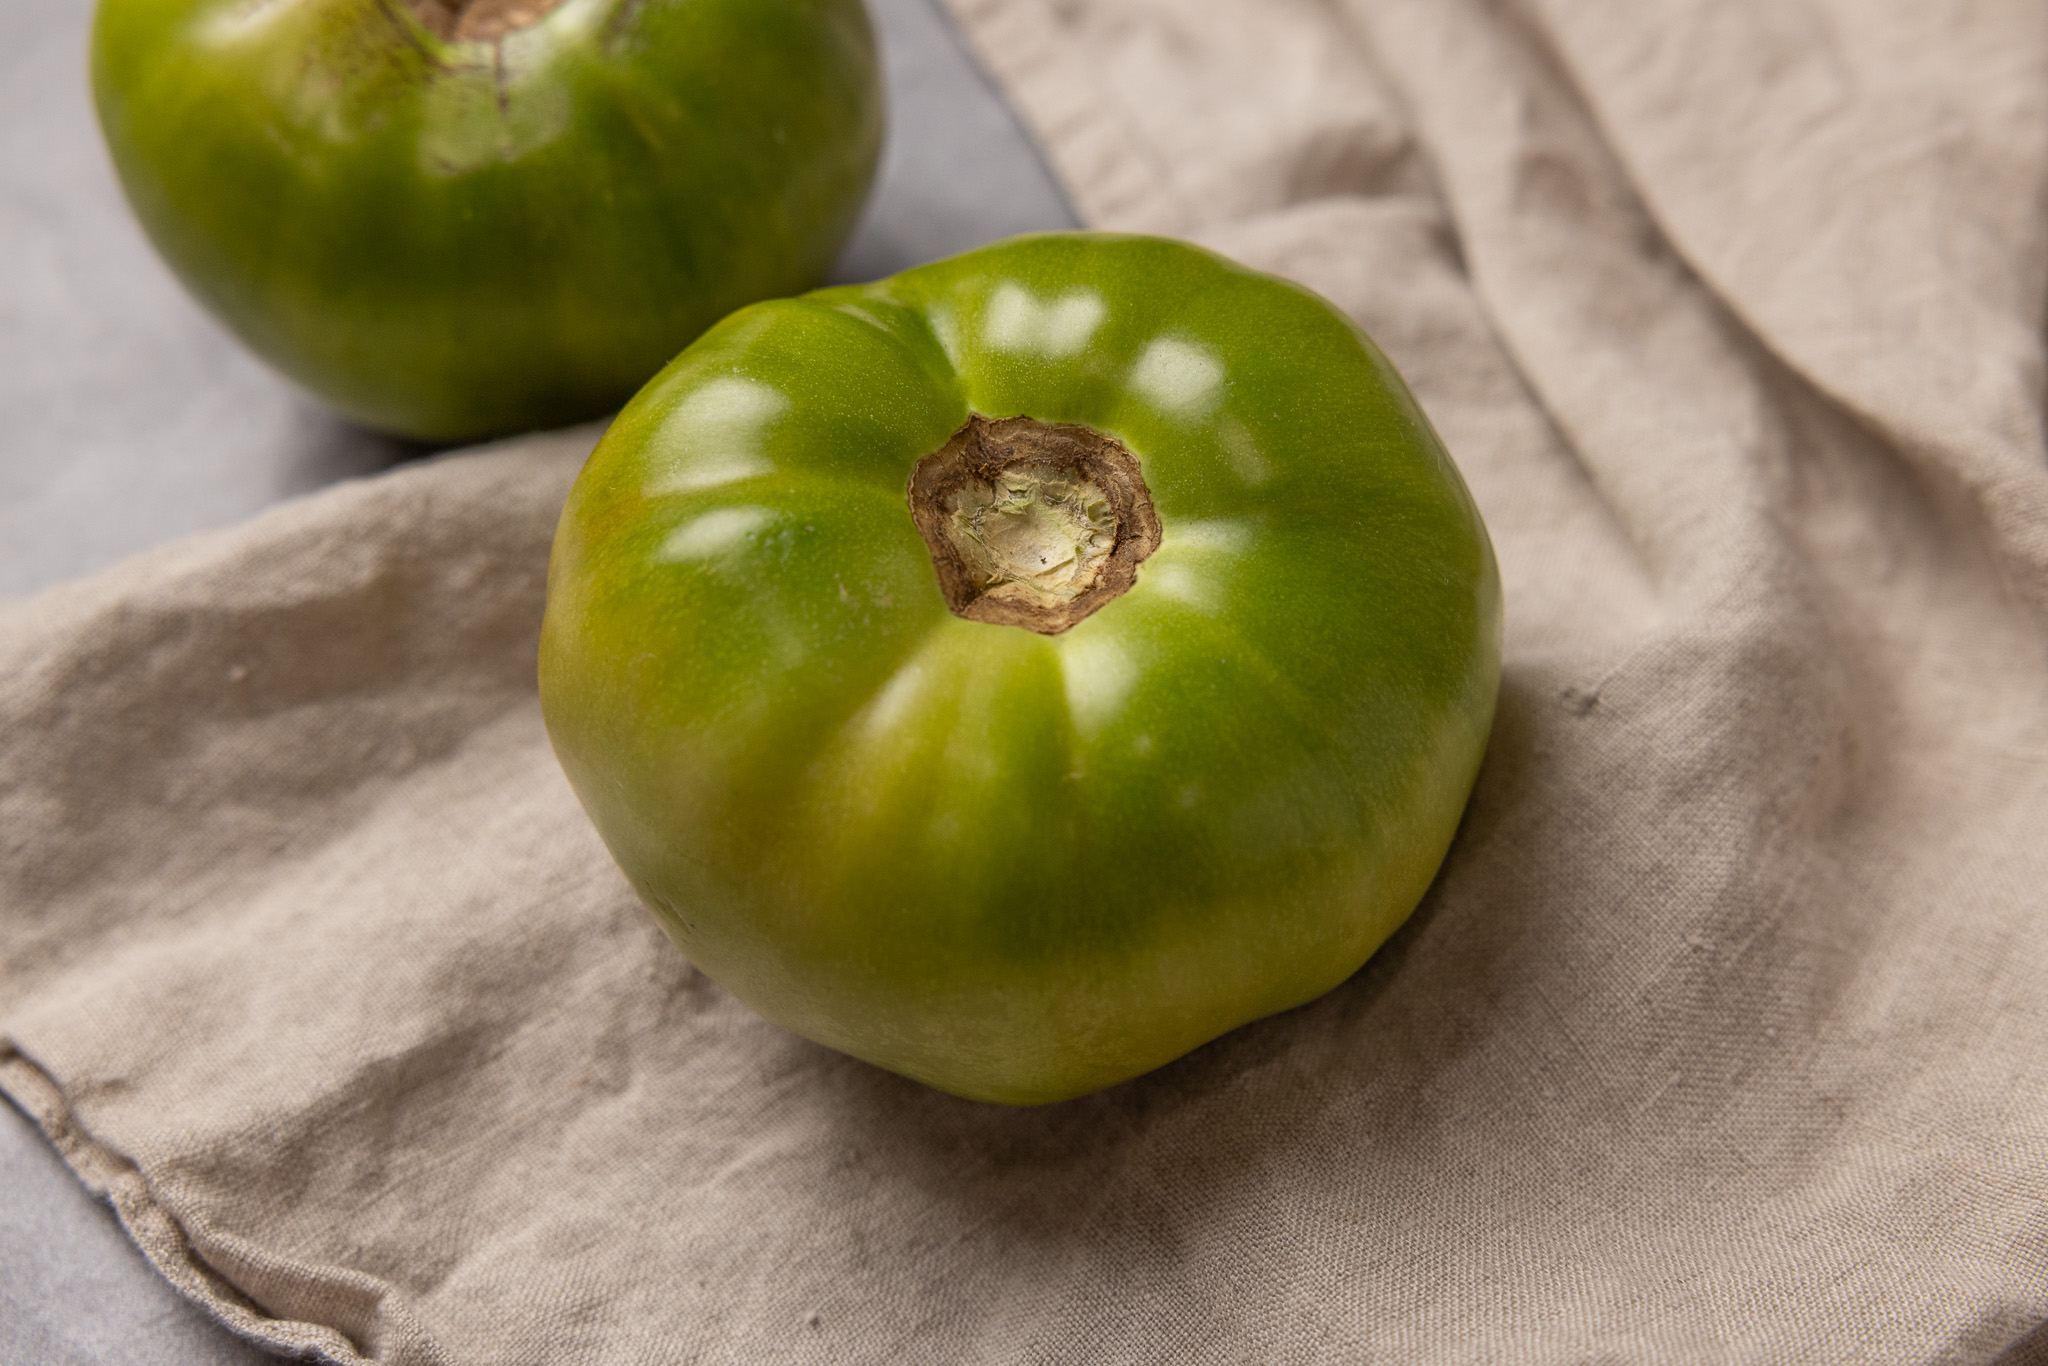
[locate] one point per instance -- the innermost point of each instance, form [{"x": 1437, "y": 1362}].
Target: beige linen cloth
[{"x": 1722, "y": 1038}]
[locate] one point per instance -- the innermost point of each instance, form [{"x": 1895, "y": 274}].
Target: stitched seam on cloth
[
  {"x": 156, "y": 1232},
  {"x": 1362, "y": 1270}
]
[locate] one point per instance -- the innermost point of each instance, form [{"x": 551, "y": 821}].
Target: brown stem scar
[
  {"x": 458, "y": 21},
  {"x": 1032, "y": 524}
]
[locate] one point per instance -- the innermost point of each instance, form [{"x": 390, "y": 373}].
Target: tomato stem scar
[{"x": 1032, "y": 524}]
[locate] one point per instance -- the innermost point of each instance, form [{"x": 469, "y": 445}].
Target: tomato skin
[
  {"x": 456, "y": 239},
  {"x": 1022, "y": 867}
]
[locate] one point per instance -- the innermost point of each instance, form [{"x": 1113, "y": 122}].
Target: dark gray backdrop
[{"x": 127, "y": 417}]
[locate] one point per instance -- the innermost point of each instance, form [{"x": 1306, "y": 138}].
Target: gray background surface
[{"x": 127, "y": 418}]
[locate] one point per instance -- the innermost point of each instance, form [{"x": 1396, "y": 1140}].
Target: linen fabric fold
[{"x": 1720, "y": 1037}]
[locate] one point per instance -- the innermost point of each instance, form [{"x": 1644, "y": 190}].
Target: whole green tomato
[
  {"x": 1022, "y": 670},
  {"x": 452, "y": 220}
]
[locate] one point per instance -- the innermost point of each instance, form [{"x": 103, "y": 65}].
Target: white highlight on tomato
[
  {"x": 1018, "y": 320},
  {"x": 717, "y": 436},
  {"x": 715, "y": 533},
  {"x": 1099, "y": 674},
  {"x": 1179, "y": 376}
]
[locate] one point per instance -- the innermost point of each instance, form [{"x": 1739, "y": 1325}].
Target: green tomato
[
  {"x": 1022, "y": 670},
  {"x": 451, "y": 222}
]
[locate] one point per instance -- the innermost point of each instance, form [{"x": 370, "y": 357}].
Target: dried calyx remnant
[
  {"x": 1032, "y": 524},
  {"x": 480, "y": 21}
]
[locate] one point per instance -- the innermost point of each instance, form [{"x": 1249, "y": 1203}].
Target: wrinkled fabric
[{"x": 1721, "y": 1038}]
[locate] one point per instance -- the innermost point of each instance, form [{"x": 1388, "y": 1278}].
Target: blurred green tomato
[
  {"x": 1022, "y": 670},
  {"x": 456, "y": 222}
]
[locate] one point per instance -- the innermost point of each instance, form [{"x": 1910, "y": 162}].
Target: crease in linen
[{"x": 1720, "y": 1039}]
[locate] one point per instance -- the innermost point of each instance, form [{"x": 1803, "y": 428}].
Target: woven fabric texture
[{"x": 1722, "y": 1037}]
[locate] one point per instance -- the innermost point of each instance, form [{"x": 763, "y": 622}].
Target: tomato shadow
[
  {"x": 322, "y": 448},
  {"x": 1343, "y": 1082}
]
